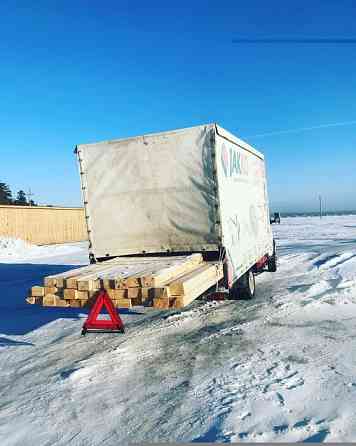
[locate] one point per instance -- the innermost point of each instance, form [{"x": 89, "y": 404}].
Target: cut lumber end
[
  {"x": 70, "y": 293},
  {"x": 70, "y": 283},
  {"x": 162, "y": 303},
  {"x": 117, "y": 294},
  {"x": 134, "y": 293},
  {"x": 88, "y": 285},
  {"x": 37, "y": 291},
  {"x": 48, "y": 300},
  {"x": 58, "y": 302},
  {"x": 50, "y": 290},
  {"x": 60, "y": 282},
  {"x": 50, "y": 281},
  {"x": 122, "y": 303}
]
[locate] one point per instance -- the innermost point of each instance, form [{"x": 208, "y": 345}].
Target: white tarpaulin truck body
[{"x": 189, "y": 190}]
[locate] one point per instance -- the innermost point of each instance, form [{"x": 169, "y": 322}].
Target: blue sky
[{"x": 74, "y": 72}]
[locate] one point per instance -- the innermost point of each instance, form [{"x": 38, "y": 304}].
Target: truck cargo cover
[{"x": 151, "y": 193}]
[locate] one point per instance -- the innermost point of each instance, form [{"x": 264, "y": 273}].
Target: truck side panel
[
  {"x": 243, "y": 201},
  {"x": 154, "y": 193}
]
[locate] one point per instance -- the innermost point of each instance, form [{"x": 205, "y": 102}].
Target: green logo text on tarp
[{"x": 233, "y": 162}]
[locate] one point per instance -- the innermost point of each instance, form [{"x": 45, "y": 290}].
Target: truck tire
[
  {"x": 272, "y": 261},
  {"x": 272, "y": 264},
  {"x": 244, "y": 287}
]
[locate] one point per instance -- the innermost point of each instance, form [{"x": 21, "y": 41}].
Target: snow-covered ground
[
  {"x": 19, "y": 251},
  {"x": 279, "y": 368}
]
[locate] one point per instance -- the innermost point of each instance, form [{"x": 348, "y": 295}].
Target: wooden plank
[
  {"x": 194, "y": 289},
  {"x": 69, "y": 293},
  {"x": 190, "y": 286},
  {"x": 51, "y": 300},
  {"x": 48, "y": 300},
  {"x": 58, "y": 302},
  {"x": 69, "y": 278},
  {"x": 77, "y": 303},
  {"x": 133, "y": 293},
  {"x": 105, "y": 276},
  {"x": 144, "y": 294},
  {"x": 37, "y": 291},
  {"x": 122, "y": 303},
  {"x": 130, "y": 276},
  {"x": 59, "y": 282},
  {"x": 153, "y": 277},
  {"x": 83, "y": 295},
  {"x": 162, "y": 303},
  {"x": 162, "y": 276},
  {"x": 117, "y": 294},
  {"x": 93, "y": 268},
  {"x": 133, "y": 281},
  {"x": 146, "y": 259},
  {"x": 70, "y": 282},
  {"x": 52, "y": 280},
  {"x": 61, "y": 278},
  {"x": 151, "y": 293},
  {"x": 147, "y": 269},
  {"x": 88, "y": 284},
  {"x": 51, "y": 290},
  {"x": 116, "y": 275},
  {"x": 88, "y": 276},
  {"x": 208, "y": 273}
]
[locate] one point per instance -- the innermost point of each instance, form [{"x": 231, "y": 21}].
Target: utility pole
[
  {"x": 29, "y": 195},
  {"x": 320, "y": 207}
]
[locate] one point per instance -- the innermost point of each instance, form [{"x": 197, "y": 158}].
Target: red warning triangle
[{"x": 93, "y": 323}]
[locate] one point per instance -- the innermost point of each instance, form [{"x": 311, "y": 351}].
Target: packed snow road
[{"x": 279, "y": 368}]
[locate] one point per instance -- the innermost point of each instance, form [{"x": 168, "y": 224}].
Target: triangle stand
[{"x": 112, "y": 325}]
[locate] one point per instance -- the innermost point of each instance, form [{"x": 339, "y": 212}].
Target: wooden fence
[{"x": 43, "y": 225}]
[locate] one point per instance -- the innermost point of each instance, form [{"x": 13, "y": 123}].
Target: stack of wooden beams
[{"x": 161, "y": 282}]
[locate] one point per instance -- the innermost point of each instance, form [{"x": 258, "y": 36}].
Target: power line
[
  {"x": 307, "y": 40},
  {"x": 302, "y": 129}
]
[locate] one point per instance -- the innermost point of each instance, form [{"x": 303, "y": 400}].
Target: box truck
[{"x": 194, "y": 190}]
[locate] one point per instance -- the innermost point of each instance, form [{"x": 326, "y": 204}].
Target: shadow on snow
[{"x": 17, "y": 316}]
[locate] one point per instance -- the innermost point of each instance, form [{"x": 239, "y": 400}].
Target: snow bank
[
  {"x": 15, "y": 248},
  {"x": 19, "y": 251}
]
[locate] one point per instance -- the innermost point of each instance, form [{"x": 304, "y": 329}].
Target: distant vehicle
[
  {"x": 198, "y": 189},
  {"x": 276, "y": 218}
]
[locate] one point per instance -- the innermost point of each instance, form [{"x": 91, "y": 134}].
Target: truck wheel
[
  {"x": 272, "y": 261},
  {"x": 245, "y": 287},
  {"x": 272, "y": 264}
]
